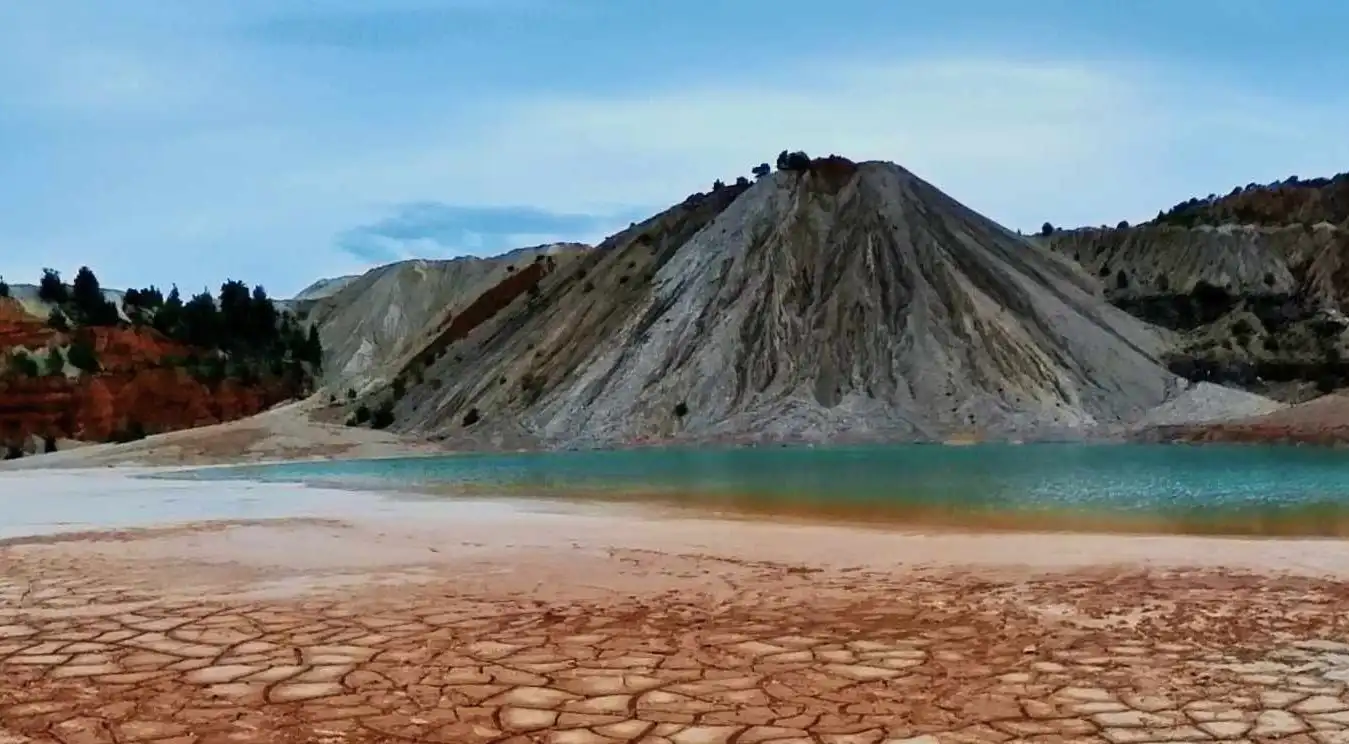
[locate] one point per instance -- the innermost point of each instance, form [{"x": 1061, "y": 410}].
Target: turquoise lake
[{"x": 1194, "y": 489}]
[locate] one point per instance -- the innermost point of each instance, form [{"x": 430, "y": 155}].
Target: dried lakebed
[{"x": 479, "y": 623}]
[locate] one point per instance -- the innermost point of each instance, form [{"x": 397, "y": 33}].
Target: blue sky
[{"x": 279, "y": 141}]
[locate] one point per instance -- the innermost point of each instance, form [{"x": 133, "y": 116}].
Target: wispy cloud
[{"x": 429, "y": 229}]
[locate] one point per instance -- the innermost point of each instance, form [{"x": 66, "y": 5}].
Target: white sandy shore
[{"x": 306, "y": 528}]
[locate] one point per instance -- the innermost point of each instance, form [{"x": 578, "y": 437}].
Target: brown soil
[{"x": 1323, "y": 421}]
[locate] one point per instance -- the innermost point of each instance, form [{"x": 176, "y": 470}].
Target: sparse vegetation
[
  {"x": 4, "y": 288},
  {"x": 22, "y": 364},
  {"x": 797, "y": 162},
  {"x": 761, "y": 170},
  {"x": 1046, "y": 230}
]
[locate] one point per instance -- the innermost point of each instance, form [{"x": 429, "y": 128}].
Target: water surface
[{"x": 1197, "y": 489}]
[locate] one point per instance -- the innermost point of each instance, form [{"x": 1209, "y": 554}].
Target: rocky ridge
[{"x": 372, "y": 323}]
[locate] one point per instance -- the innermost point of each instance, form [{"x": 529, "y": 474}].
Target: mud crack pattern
[{"x": 1124, "y": 658}]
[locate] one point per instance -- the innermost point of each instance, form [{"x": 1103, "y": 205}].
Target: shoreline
[{"x": 61, "y": 497}]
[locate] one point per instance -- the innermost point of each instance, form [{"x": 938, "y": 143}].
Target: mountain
[
  {"x": 829, "y": 300},
  {"x": 1252, "y": 284},
  {"x": 370, "y": 323}
]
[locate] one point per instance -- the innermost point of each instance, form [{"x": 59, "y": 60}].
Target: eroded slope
[{"x": 845, "y": 301}]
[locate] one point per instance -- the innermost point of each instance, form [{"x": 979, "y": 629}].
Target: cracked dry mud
[{"x": 96, "y": 647}]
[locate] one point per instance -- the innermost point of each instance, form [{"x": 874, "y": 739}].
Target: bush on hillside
[
  {"x": 82, "y": 356},
  {"x": 383, "y": 416},
  {"x": 56, "y": 363}
]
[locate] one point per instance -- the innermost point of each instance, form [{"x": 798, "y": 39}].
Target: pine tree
[
  {"x": 91, "y": 307},
  {"x": 169, "y": 317},
  {"x": 51, "y": 288}
]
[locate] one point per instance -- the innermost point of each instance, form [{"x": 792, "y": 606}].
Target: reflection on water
[{"x": 1144, "y": 488}]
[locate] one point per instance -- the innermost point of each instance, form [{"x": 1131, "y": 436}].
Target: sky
[{"x": 281, "y": 141}]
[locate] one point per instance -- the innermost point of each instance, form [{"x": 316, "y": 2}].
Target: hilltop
[{"x": 1252, "y": 285}]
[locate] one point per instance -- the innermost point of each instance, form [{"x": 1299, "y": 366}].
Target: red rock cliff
[{"x": 138, "y": 386}]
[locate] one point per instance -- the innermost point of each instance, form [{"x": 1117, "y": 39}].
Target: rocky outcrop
[
  {"x": 1258, "y": 307},
  {"x": 845, "y": 300}
]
